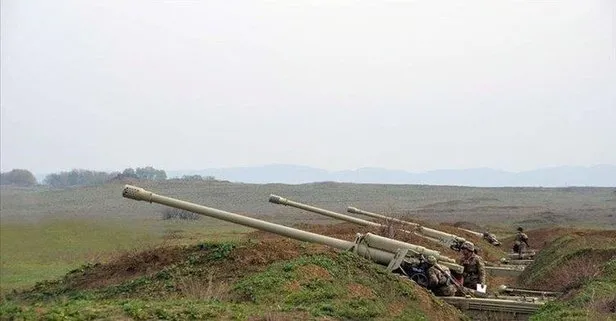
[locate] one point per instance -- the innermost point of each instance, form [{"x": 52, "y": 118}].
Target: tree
[
  {"x": 150, "y": 173},
  {"x": 18, "y": 177},
  {"x": 78, "y": 177},
  {"x": 129, "y": 173}
]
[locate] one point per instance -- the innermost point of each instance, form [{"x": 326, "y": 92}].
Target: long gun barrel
[
  {"x": 505, "y": 289},
  {"x": 355, "y": 210},
  {"x": 454, "y": 241},
  {"x": 485, "y": 235},
  {"x": 360, "y": 246},
  {"x": 472, "y": 232},
  {"x": 283, "y": 201},
  {"x": 391, "y": 243}
]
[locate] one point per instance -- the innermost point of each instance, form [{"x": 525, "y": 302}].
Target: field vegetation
[
  {"x": 87, "y": 253},
  {"x": 582, "y": 265}
]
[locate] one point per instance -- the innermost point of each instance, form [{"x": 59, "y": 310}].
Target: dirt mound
[
  {"x": 341, "y": 286},
  {"x": 126, "y": 266},
  {"x": 267, "y": 251},
  {"x": 264, "y": 276},
  {"x": 542, "y": 237},
  {"x": 570, "y": 260},
  {"x": 345, "y": 231},
  {"x": 468, "y": 226}
]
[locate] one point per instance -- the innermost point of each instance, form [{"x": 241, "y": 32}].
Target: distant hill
[{"x": 599, "y": 175}]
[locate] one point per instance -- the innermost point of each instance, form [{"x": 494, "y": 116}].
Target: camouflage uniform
[
  {"x": 474, "y": 268},
  {"x": 521, "y": 241},
  {"x": 439, "y": 284}
]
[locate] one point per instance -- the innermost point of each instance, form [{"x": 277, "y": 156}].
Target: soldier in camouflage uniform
[
  {"x": 521, "y": 241},
  {"x": 474, "y": 267},
  {"x": 438, "y": 282}
]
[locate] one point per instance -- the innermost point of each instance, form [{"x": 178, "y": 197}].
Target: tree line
[{"x": 83, "y": 177}]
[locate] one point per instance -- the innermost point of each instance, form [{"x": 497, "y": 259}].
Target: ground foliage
[
  {"x": 257, "y": 279},
  {"x": 218, "y": 280},
  {"x": 582, "y": 265}
]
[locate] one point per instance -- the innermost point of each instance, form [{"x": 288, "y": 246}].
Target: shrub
[{"x": 179, "y": 214}]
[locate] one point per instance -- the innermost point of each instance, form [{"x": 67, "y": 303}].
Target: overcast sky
[{"x": 411, "y": 85}]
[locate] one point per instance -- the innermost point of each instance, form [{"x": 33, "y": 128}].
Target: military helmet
[
  {"x": 431, "y": 259},
  {"x": 467, "y": 245},
  {"x": 520, "y": 229}
]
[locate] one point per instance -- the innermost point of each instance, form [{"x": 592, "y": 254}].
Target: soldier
[
  {"x": 521, "y": 242},
  {"x": 438, "y": 281},
  {"x": 474, "y": 268}
]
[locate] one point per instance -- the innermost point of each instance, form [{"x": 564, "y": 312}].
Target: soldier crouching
[{"x": 438, "y": 281}]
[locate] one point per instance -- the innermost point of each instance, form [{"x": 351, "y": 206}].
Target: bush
[
  {"x": 18, "y": 177},
  {"x": 179, "y": 214}
]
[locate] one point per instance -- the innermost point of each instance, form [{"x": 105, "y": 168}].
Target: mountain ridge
[{"x": 602, "y": 175}]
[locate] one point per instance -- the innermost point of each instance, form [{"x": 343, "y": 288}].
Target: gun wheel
[{"x": 420, "y": 279}]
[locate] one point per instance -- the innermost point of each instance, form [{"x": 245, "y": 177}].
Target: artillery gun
[
  {"x": 491, "y": 238},
  {"x": 403, "y": 258},
  {"x": 427, "y": 231},
  {"x": 399, "y": 257},
  {"x": 514, "y": 291},
  {"x": 453, "y": 241}
]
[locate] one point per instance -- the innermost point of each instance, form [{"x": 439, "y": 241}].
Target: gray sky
[{"x": 412, "y": 85}]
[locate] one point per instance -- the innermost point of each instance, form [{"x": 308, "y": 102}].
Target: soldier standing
[
  {"x": 438, "y": 281},
  {"x": 521, "y": 241},
  {"x": 474, "y": 267}
]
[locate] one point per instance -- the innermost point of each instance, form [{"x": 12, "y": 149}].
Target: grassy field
[
  {"x": 48, "y": 248},
  {"x": 46, "y": 233},
  {"x": 531, "y": 206}
]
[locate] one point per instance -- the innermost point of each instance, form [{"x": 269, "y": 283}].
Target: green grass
[
  {"x": 313, "y": 286},
  {"x": 32, "y": 252},
  {"x": 118, "y": 309},
  {"x": 582, "y": 266},
  {"x": 595, "y": 300},
  {"x": 287, "y": 285},
  {"x": 46, "y": 233}
]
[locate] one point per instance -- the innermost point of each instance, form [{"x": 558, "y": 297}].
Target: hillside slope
[
  {"x": 582, "y": 265},
  {"x": 259, "y": 279}
]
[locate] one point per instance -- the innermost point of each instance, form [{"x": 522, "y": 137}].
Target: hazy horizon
[
  {"x": 39, "y": 174},
  {"x": 602, "y": 175},
  {"x": 336, "y": 85}
]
